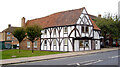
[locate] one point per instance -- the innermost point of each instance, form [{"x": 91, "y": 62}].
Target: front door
[{"x": 76, "y": 45}]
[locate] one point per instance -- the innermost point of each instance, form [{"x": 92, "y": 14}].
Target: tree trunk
[
  {"x": 116, "y": 43},
  {"x": 105, "y": 41},
  {"x": 19, "y": 47},
  {"x": 32, "y": 48}
]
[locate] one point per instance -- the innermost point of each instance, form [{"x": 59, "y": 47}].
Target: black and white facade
[{"x": 74, "y": 37}]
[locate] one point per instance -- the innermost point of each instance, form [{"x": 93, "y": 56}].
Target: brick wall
[{"x": 23, "y": 45}]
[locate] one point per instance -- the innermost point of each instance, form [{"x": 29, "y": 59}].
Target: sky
[{"x": 11, "y": 11}]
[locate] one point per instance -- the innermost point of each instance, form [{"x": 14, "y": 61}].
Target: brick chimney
[
  {"x": 99, "y": 15},
  {"x": 23, "y": 22},
  {"x": 9, "y": 25}
]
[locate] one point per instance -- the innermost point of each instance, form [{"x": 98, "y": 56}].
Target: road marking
[
  {"x": 115, "y": 56},
  {"x": 93, "y": 62},
  {"x": 82, "y": 62}
]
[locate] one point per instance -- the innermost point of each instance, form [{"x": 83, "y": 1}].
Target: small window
[
  {"x": 54, "y": 42},
  {"x": 54, "y": 32},
  {"x": 65, "y": 42},
  {"x": 65, "y": 30},
  {"x": 45, "y": 42},
  {"x": 83, "y": 29},
  {"x": 8, "y": 38},
  {"x": 45, "y": 32},
  {"x": 87, "y": 29},
  {"x": 86, "y": 42},
  {"x": 8, "y": 33},
  {"x": 13, "y": 38},
  {"x": 81, "y": 44},
  {"x": 96, "y": 42},
  {"x": 35, "y": 44},
  {"x": 28, "y": 44}
]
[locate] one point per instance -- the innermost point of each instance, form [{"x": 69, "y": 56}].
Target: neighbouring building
[
  {"x": 72, "y": 30},
  {"x": 7, "y": 39}
]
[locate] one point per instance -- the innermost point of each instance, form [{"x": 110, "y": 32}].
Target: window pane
[
  {"x": 45, "y": 43},
  {"x": 54, "y": 42},
  {"x": 87, "y": 29},
  {"x": 65, "y": 29},
  {"x": 81, "y": 43},
  {"x": 28, "y": 44},
  {"x": 54, "y": 32},
  {"x": 45, "y": 31},
  {"x": 35, "y": 44},
  {"x": 86, "y": 43},
  {"x": 82, "y": 29},
  {"x": 8, "y": 33},
  {"x": 8, "y": 38},
  {"x": 65, "y": 41}
]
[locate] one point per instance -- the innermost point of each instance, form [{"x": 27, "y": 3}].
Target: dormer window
[{"x": 65, "y": 30}]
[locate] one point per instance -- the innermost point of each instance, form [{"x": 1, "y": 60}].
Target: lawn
[{"x": 14, "y": 53}]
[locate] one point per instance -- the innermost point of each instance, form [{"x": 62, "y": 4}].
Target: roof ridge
[{"x": 57, "y": 13}]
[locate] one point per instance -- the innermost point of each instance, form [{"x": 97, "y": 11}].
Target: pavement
[{"x": 54, "y": 56}]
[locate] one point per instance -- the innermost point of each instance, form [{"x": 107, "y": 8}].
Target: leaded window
[
  {"x": 65, "y": 41},
  {"x": 65, "y": 30}
]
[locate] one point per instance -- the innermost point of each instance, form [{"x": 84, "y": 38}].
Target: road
[{"x": 104, "y": 58}]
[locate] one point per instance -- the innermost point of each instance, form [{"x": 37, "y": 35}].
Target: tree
[
  {"x": 109, "y": 25},
  {"x": 19, "y": 33},
  {"x": 33, "y": 33}
]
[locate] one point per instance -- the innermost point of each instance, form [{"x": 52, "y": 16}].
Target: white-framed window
[
  {"x": 35, "y": 44},
  {"x": 8, "y": 38},
  {"x": 8, "y": 33},
  {"x": 28, "y": 44},
  {"x": 65, "y": 30},
  {"x": 54, "y": 33},
  {"x": 54, "y": 42},
  {"x": 65, "y": 41}
]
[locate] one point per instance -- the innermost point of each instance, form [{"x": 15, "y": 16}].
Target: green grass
[{"x": 7, "y": 54}]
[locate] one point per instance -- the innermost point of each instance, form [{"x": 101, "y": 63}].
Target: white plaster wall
[{"x": 96, "y": 35}]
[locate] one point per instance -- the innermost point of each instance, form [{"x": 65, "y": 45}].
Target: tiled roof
[
  {"x": 58, "y": 19},
  {"x": 10, "y": 29}
]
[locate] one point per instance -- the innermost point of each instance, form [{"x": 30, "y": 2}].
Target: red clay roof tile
[{"x": 59, "y": 19}]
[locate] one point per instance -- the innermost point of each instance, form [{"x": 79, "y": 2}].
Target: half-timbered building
[{"x": 72, "y": 30}]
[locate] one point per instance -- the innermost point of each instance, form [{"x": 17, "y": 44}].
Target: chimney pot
[
  {"x": 99, "y": 15},
  {"x": 9, "y": 25}
]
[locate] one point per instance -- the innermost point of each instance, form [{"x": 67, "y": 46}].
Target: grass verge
[{"x": 14, "y": 53}]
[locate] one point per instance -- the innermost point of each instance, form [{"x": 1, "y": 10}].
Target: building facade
[
  {"x": 8, "y": 38},
  {"x": 72, "y": 30}
]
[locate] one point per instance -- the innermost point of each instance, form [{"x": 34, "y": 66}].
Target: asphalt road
[{"x": 105, "y": 58}]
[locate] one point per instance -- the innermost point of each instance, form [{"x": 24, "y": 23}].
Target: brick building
[{"x": 7, "y": 36}]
